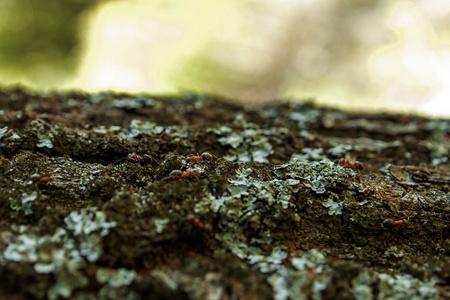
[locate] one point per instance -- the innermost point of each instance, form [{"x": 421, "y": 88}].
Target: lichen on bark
[{"x": 274, "y": 215}]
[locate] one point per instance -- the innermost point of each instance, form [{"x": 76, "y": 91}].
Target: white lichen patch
[
  {"x": 310, "y": 154},
  {"x": 304, "y": 115},
  {"x": 334, "y": 207},
  {"x": 139, "y": 128},
  {"x": 290, "y": 282},
  {"x": 45, "y": 141},
  {"x": 64, "y": 255},
  {"x": 161, "y": 224},
  {"x": 24, "y": 203},
  {"x": 248, "y": 142},
  {"x": 115, "y": 278},
  {"x": 396, "y": 287},
  {"x": 3, "y": 131},
  {"x": 88, "y": 220}
]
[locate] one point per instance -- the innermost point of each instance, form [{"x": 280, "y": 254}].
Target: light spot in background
[{"x": 381, "y": 55}]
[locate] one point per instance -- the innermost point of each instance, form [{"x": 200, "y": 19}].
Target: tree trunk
[{"x": 291, "y": 201}]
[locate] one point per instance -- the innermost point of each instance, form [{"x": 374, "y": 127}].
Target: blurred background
[{"x": 371, "y": 55}]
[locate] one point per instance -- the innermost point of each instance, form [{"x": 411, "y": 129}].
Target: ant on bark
[
  {"x": 349, "y": 164},
  {"x": 178, "y": 174}
]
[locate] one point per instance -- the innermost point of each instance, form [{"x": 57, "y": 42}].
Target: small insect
[
  {"x": 195, "y": 221},
  {"x": 206, "y": 156},
  {"x": 390, "y": 223},
  {"x": 39, "y": 178},
  {"x": 177, "y": 174},
  {"x": 142, "y": 159},
  {"x": 349, "y": 164}
]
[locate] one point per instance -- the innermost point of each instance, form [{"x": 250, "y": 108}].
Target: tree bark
[{"x": 293, "y": 201}]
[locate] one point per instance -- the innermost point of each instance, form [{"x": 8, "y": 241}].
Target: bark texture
[{"x": 292, "y": 202}]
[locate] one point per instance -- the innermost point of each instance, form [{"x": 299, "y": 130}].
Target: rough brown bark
[{"x": 274, "y": 214}]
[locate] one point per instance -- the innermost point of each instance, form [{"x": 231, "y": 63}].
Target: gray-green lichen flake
[
  {"x": 45, "y": 141},
  {"x": 304, "y": 116},
  {"x": 290, "y": 283},
  {"x": 48, "y": 257},
  {"x": 248, "y": 142},
  {"x": 243, "y": 207},
  {"x": 316, "y": 175},
  {"x": 115, "y": 278},
  {"x": 3, "y": 131},
  {"x": 311, "y": 154},
  {"x": 26, "y": 202},
  {"x": 161, "y": 224},
  {"x": 24, "y": 249},
  {"x": 334, "y": 208},
  {"x": 115, "y": 284},
  {"x": 319, "y": 177},
  {"x": 362, "y": 286},
  {"x": 139, "y": 128},
  {"x": 339, "y": 150},
  {"x": 84, "y": 223},
  {"x": 396, "y": 287},
  {"x": 88, "y": 220},
  {"x": 64, "y": 255},
  {"x": 269, "y": 263},
  {"x": 134, "y": 103}
]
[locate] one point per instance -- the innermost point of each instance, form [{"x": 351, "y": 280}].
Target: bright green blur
[{"x": 352, "y": 54}]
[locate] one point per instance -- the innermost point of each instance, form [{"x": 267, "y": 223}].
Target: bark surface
[{"x": 293, "y": 202}]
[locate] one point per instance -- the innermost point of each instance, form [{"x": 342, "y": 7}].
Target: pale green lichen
[
  {"x": 340, "y": 150},
  {"x": 310, "y": 274},
  {"x": 115, "y": 283},
  {"x": 139, "y": 128},
  {"x": 362, "y": 286},
  {"x": 24, "y": 249},
  {"x": 44, "y": 141},
  {"x": 88, "y": 220},
  {"x": 334, "y": 208},
  {"x": 304, "y": 115},
  {"x": 289, "y": 283},
  {"x": 244, "y": 205},
  {"x": 310, "y": 154},
  {"x": 135, "y": 103},
  {"x": 24, "y": 203},
  {"x": 320, "y": 177},
  {"x": 64, "y": 255},
  {"x": 398, "y": 287},
  {"x": 115, "y": 278},
  {"x": 3, "y": 131},
  {"x": 439, "y": 150},
  {"x": 316, "y": 175},
  {"x": 312, "y": 259},
  {"x": 268, "y": 263},
  {"x": 248, "y": 142},
  {"x": 161, "y": 224},
  {"x": 85, "y": 222}
]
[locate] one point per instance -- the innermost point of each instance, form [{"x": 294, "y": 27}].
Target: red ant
[
  {"x": 195, "y": 221},
  {"x": 142, "y": 159},
  {"x": 349, "y": 164},
  {"x": 394, "y": 224},
  {"x": 177, "y": 174},
  {"x": 193, "y": 158},
  {"x": 39, "y": 178}
]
